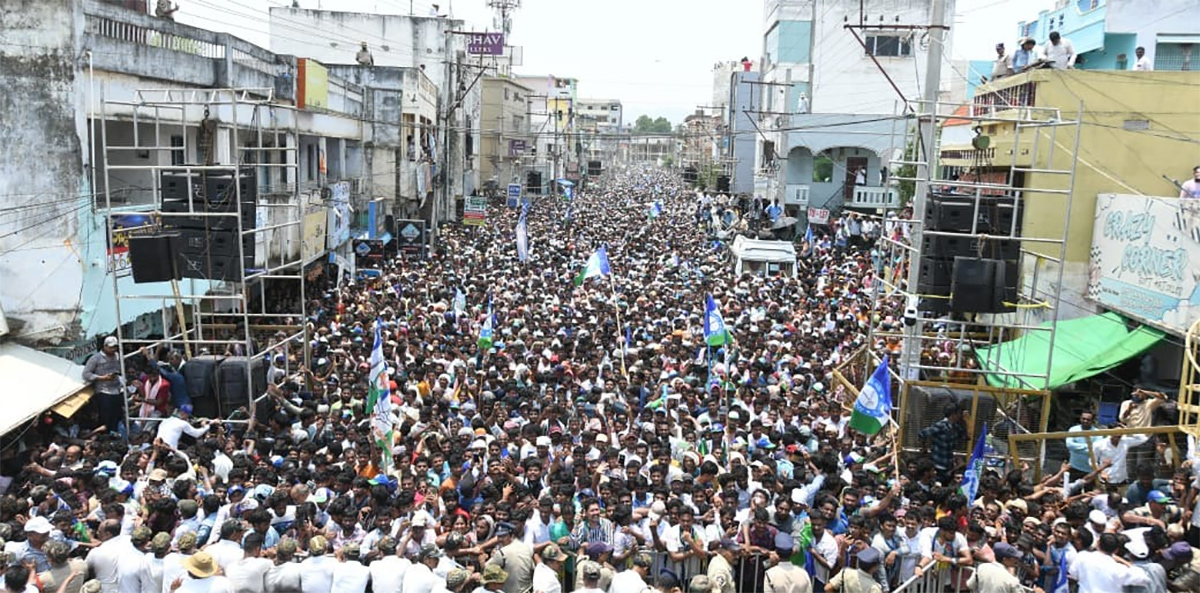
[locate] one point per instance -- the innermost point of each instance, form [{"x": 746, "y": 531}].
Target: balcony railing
[{"x": 874, "y": 197}]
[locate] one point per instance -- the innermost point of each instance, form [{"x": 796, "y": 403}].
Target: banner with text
[
  {"x": 1145, "y": 259},
  {"x": 485, "y": 44},
  {"x": 818, "y": 216},
  {"x": 475, "y": 210}
]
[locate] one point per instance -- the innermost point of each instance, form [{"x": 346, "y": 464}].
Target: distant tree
[{"x": 647, "y": 125}]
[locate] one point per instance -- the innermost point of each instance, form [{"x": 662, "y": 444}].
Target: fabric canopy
[
  {"x": 1082, "y": 348},
  {"x": 34, "y": 382}
]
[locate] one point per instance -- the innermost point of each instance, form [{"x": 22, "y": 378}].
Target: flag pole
[{"x": 620, "y": 327}]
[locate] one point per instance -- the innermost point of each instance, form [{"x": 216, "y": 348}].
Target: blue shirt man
[{"x": 1077, "y": 446}]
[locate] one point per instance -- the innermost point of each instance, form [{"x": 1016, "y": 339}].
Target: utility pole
[{"x": 927, "y": 162}]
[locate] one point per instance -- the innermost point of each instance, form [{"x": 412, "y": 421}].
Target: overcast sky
[{"x": 656, "y": 56}]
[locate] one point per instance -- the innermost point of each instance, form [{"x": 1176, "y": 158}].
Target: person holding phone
[{"x": 103, "y": 371}]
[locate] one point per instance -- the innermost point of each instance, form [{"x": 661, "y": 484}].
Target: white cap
[
  {"x": 38, "y": 525},
  {"x": 110, "y": 342},
  {"x": 419, "y": 520},
  {"x": 543, "y": 441},
  {"x": 1097, "y": 516}
]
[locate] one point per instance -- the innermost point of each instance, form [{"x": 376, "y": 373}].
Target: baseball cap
[
  {"x": 590, "y": 569},
  {"x": 1157, "y": 496},
  {"x": 110, "y": 342},
  {"x": 38, "y": 525},
  {"x": 1004, "y": 550}
]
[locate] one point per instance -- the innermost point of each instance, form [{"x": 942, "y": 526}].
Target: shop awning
[
  {"x": 33, "y": 382},
  {"x": 1082, "y": 348}
]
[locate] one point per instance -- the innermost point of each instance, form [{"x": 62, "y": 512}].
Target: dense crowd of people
[{"x": 594, "y": 443}]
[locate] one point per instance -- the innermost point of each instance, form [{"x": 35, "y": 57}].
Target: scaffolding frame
[
  {"x": 176, "y": 110},
  {"x": 1040, "y": 272},
  {"x": 1189, "y": 383}
]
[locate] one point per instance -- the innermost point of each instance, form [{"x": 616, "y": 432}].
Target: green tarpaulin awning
[{"x": 1082, "y": 347}]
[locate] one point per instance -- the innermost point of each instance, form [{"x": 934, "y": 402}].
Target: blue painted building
[{"x": 1105, "y": 33}]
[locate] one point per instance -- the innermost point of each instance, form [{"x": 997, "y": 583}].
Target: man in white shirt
[
  {"x": 1114, "y": 450},
  {"x": 387, "y": 573},
  {"x": 247, "y": 575},
  {"x": 1059, "y": 52},
  {"x": 172, "y": 564},
  {"x": 420, "y": 577},
  {"x": 228, "y": 550},
  {"x": 634, "y": 579},
  {"x": 160, "y": 546},
  {"x": 173, "y": 428},
  {"x": 316, "y": 573},
  {"x": 284, "y": 577},
  {"x": 1100, "y": 572},
  {"x": 103, "y": 561},
  {"x": 1143, "y": 63},
  {"x": 545, "y": 576},
  {"x": 350, "y": 576},
  {"x": 200, "y": 576}
]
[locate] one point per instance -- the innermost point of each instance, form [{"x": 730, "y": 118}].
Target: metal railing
[
  {"x": 952, "y": 580},
  {"x": 147, "y": 34},
  {"x": 874, "y": 197}
]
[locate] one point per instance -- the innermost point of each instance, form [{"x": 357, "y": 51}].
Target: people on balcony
[
  {"x": 165, "y": 10},
  {"x": 1059, "y": 52}
]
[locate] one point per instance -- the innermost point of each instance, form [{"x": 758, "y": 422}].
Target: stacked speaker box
[
  {"x": 150, "y": 258},
  {"x": 207, "y": 246},
  {"x": 964, "y": 273},
  {"x": 200, "y": 374},
  {"x": 233, "y": 391}
]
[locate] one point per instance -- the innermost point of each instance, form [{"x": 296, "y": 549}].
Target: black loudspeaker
[
  {"x": 232, "y": 390},
  {"x": 151, "y": 258},
  {"x": 533, "y": 182},
  {"x": 200, "y": 375},
  {"x": 935, "y": 272},
  {"x": 208, "y": 266},
  {"x": 974, "y": 288},
  {"x": 723, "y": 183}
]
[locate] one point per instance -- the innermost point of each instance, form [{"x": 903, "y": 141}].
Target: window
[
  {"x": 506, "y": 94},
  {"x": 888, "y": 46},
  {"x": 1174, "y": 56},
  {"x": 178, "y": 152},
  {"x": 1086, "y": 5}
]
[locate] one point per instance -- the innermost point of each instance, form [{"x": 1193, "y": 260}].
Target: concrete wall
[
  {"x": 743, "y": 96},
  {"x": 333, "y": 37},
  {"x": 845, "y": 80},
  {"x": 42, "y": 183}
]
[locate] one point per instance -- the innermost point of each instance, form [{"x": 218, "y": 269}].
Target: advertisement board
[
  {"x": 818, "y": 216},
  {"x": 312, "y": 84},
  {"x": 339, "y": 214},
  {"x": 123, "y": 227},
  {"x": 517, "y": 148},
  {"x": 410, "y": 238},
  {"x": 1145, "y": 259},
  {"x": 312, "y": 245},
  {"x": 514, "y": 195},
  {"x": 475, "y": 210},
  {"x": 485, "y": 44}
]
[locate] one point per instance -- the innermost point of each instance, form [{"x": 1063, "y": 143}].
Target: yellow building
[{"x": 1138, "y": 128}]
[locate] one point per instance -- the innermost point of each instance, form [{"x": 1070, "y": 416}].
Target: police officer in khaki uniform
[
  {"x": 860, "y": 579},
  {"x": 785, "y": 577},
  {"x": 515, "y": 557}
]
